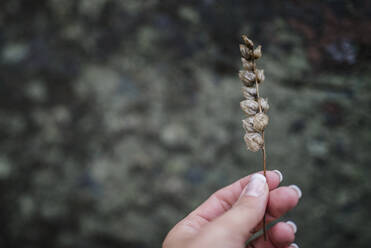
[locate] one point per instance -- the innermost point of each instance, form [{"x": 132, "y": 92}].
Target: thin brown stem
[
  {"x": 264, "y": 157},
  {"x": 263, "y": 150},
  {"x": 265, "y": 170}
]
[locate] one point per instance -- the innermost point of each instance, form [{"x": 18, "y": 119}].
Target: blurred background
[{"x": 118, "y": 117}]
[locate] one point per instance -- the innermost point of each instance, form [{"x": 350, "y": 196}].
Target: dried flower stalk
[{"x": 254, "y": 106}]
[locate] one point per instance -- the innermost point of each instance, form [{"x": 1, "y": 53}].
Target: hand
[{"x": 233, "y": 214}]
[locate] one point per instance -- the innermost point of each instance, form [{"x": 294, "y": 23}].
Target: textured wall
[{"x": 119, "y": 117}]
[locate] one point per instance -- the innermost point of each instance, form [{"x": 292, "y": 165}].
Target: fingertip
[
  {"x": 282, "y": 200},
  {"x": 293, "y": 245},
  {"x": 258, "y": 176},
  {"x": 293, "y": 225},
  {"x": 297, "y": 190},
  {"x": 280, "y": 176},
  {"x": 257, "y": 187},
  {"x": 282, "y": 234},
  {"x": 274, "y": 178}
]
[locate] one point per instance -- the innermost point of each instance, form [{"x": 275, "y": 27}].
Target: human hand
[{"x": 233, "y": 214}]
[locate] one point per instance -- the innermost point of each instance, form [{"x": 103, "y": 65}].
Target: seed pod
[
  {"x": 260, "y": 75},
  {"x": 264, "y": 104},
  {"x": 248, "y": 124},
  {"x": 247, "y": 65},
  {"x": 248, "y": 78},
  {"x": 258, "y": 52},
  {"x": 247, "y": 41},
  {"x": 250, "y": 107},
  {"x": 245, "y": 51},
  {"x": 260, "y": 122},
  {"x": 254, "y": 141},
  {"x": 249, "y": 92}
]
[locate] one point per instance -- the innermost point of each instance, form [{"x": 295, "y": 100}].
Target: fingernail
[
  {"x": 256, "y": 185},
  {"x": 293, "y": 225},
  {"x": 293, "y": 245},
  {"x": 279, "y": 174},
  {"x": 297, "y": 189}
]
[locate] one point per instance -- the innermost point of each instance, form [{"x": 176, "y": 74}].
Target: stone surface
[{"x": 119, "y": 117}]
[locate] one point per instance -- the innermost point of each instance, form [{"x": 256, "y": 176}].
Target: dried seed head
[
  {"x": 245, "y": 51},
  {"x": 248, "y": 78},
  {"x": 248, "y": 124},
  {"x": 260, "y": 122},
  {"x": 250, "y": 107},
  {"x": 260, "y": 75},
  {"x": 258, "y": 52},
  {"x": 247, "y": 64},
  {"x": 254, "y": 106},
  {"x": 247, "y": 41},
  {"x": 249, "y": 92},
  {"x": 254, "y": 141}
]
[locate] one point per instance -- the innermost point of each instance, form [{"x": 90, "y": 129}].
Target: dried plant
[{"x": 254, "y": 106}]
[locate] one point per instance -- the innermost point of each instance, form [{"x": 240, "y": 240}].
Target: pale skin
[{"x": 234, "y": 213}]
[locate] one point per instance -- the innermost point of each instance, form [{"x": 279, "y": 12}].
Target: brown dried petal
[
  {"x": 250, "y": 107},
  {"x": 245, "y": 51},
  {"x": 263, "y": 103},
  {"x": 247, "y": 64},
  {"x": 248, "y": 124},
  {"x": 248, "y": 78},
  {"x": 260, "y": 122},
  {"x": 247, "y": 41},
  {"x": 254, "y": 141},
  {"x": 260, "y": 75},
  {"x": 258, "y": 52}
]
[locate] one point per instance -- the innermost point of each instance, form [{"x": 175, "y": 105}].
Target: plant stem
[
  {"x": 265, "y": 170},
  {"x": 263, "y": 151},
  {"x": 264, "y": 157}
]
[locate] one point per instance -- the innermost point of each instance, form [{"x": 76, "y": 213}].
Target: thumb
[{"x": 248, "y": 211}]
